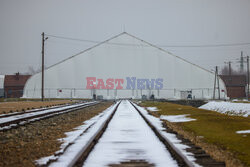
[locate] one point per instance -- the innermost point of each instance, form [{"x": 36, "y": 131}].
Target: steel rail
[
  {"x": 175, "y": 152},
  {"x": 32, "y": 118},
  {"x": 33, "y": 110},
  {"x": 85, "y": 151}
]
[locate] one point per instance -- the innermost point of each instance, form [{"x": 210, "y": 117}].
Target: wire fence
[{"x": 200, "y": 93}]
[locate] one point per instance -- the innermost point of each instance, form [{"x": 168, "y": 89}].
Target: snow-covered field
[{"x": 240, "y": 109}]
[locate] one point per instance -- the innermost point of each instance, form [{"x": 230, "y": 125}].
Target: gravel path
[{"x": 24, "y": 145}]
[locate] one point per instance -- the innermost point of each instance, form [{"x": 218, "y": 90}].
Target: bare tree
[
  {"x": 225, "y": 71},
  {"x": 32, "y": 71}
]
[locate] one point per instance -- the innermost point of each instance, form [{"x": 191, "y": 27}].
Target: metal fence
[{"x": 201, "y": 93}]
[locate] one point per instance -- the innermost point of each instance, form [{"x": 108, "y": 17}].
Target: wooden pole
[
  {"x": 42, "y": 89},
  {"x": 247, "y": 77},
  {"x": 218, "y": 82},
  {"x": 214, "y": 82}
]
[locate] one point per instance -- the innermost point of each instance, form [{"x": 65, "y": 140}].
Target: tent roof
[{"x": 146, "y": 44}]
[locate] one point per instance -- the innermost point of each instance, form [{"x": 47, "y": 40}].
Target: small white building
[
  {"x": 1, "y": 86},
  {"x": 125, "y": 67}
]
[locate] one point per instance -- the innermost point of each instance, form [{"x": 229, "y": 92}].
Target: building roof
[
  {"x": 234, "y": 80},
  {"x": 144, "y": 43},
  {"x": 15, "y": 80}
]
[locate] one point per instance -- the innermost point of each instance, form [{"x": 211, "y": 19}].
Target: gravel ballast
[{"x": 25, "y": 144}]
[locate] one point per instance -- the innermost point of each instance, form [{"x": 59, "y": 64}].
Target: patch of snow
[
  {"x": 177, "y": 118},
  {"x": 70, "y": 138},
  {"x": 243, "y": 131},
  {"x": 152, "y": 108},
  {"x": 44, "y": 160},
  {"x": 235, "y": 100},
  {"x": 240, "y": 109}
]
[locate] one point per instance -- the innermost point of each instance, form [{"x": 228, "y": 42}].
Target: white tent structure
[{"x": 125, "y": 67}]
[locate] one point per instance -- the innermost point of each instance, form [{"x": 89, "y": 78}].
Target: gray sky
[{"x": 160, "y": 22}]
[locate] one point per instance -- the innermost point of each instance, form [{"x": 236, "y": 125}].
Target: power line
[
  {"x": 74, "y": 39},
  {"x": 174, "y": 46},
  {"x": 203, "y": 46}
]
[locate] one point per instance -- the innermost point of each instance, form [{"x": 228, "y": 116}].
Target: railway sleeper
[{"x": 202, "y": 158}]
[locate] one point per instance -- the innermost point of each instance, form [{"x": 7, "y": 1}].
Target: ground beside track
[
  {"x": 213, "y": 131},
  {"x": 24, "y": 145}
]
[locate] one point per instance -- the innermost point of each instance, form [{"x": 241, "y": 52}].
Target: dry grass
[{"x": 217, "y": 129}]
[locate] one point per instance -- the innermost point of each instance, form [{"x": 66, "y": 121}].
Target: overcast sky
[{"x": 160, "y": 22}]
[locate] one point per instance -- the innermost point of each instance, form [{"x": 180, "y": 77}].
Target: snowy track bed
[
  {"x": 17, "y": 119},
  {"x": 123, "y": 135}
]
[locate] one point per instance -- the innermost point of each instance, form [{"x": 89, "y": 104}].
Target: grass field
[{"x": 217, "y": 129}]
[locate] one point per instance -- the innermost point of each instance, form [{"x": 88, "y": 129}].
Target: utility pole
[
  {"x": 229, "y": 68},
  {"x": 218, "y": 82},
  {"x": 214, "y": 82},
  {"x": 241, "y": 62},
  {"x": 216, "y": 78},
  {"x": 42, "y": 88},
  {"x": 247, "y": 77}
]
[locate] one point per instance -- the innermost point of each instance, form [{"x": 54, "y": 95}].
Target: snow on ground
[
  {"x": 152, "y": 108},
  {"x": 177, "y": 118},
  {"x": 240, "y": 109},
  {"x": 70, "y": 138},
  {"x": 128, "y": 137},
  {"x": 243, "y": 131}
]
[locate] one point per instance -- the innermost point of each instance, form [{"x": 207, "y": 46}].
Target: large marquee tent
[{"x": 125, "y": 67}]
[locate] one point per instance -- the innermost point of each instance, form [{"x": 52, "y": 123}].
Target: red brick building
[
  {"x": 235, "y": 84},
  {"x": 14, "y": 85}
]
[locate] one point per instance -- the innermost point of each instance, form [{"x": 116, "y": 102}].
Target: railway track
[
  {"x": 34, "y": 110},
  {"x": 124, "y": 136},
  {"x": 13, "y": 120}
]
